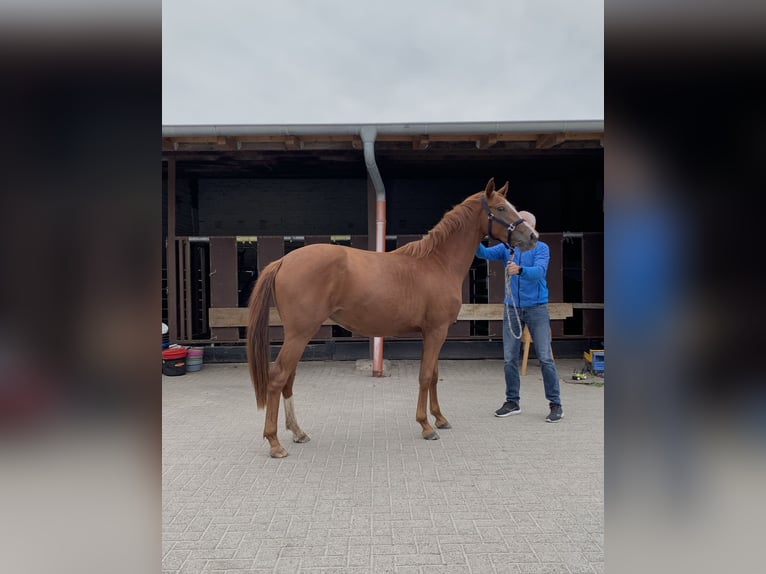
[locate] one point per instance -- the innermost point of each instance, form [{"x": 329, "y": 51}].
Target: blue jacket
[{"x": 529, "y": 288}]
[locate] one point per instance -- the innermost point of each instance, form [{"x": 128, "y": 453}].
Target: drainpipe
[{"x": 368, "y": 134}]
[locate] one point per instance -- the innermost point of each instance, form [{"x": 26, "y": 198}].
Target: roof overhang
[{"x": 536, "y": 134}]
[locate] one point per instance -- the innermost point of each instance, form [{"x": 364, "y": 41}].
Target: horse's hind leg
[
  {"x": 277, "y": 380},
  {"x": 291, "y": 422},
  {"x": 441, "y": 422},
  {"x": 279, "y": 374}
]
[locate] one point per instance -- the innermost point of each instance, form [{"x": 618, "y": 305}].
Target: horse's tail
[{"x": 258, "y": 331}]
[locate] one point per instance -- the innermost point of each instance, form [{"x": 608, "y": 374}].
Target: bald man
[{"x": 526, "y": 295}]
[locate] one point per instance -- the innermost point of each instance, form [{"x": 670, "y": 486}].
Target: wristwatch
[{"x": 520, "y": 270}]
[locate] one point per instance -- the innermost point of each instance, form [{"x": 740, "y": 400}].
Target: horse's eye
[{"x": 501, "y": 208}]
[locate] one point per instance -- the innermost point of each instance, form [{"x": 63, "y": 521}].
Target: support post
[
  {"x": 170, "y": 258},
  {"x": 368, "y": 135},
  {"x": 380, "y": 247}
]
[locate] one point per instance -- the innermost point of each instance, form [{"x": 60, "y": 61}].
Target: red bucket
[{"x": 174, "y": 361}]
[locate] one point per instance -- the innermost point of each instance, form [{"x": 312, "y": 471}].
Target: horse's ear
[
  {"x": 490, "y": 186},
  {"x": 503, "y": 190}
]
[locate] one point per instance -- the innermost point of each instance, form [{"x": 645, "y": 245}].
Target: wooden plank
[
  {"x": 223, "y": 282},
  {"x": 593, "y": 283},
  {"x": 237, "y": 316},
  {"x": 555, "y": 276},
  {"x": 494, "y": 311},
  {"x": 170, "y": 257},
  {"x": 204, "y": 277},
  {"x": 593, "y": 267},
  {"x": 495, "y": 293},
  {"x": 187, "y": 306}
]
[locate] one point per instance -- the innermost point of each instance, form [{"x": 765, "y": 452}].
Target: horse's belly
[{"x": 375, "y": 324}]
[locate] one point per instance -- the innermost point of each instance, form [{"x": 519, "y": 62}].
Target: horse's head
[{"x": 502, "y": 221}]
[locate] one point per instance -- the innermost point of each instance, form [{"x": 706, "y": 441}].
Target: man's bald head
[{"x": 529, "y": 218}]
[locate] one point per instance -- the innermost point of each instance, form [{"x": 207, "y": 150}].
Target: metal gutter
[
  {"x": 368, "y": 134},
  {"x": 385, "y": 129}
]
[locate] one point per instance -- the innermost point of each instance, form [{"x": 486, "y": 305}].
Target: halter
[{"x": 491, "y": 219}]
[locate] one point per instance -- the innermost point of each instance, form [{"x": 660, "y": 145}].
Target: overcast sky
[{"x": 345, "y": 61}]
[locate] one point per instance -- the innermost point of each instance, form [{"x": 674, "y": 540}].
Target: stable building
[{"x": 237, "y": 197}]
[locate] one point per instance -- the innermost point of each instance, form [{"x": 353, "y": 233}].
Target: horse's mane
[{"x": 453, "y": 221}]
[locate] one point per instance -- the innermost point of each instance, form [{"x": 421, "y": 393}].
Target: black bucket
[{"x": 174, "y": 362}]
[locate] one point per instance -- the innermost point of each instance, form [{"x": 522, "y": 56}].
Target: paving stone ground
[{"x": 367, "y": 494}]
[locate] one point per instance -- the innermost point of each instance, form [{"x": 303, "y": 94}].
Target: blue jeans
[{"x": 539, "y": 322}]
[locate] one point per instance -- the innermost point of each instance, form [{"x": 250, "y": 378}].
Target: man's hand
[{"x": 513, "y": 269}]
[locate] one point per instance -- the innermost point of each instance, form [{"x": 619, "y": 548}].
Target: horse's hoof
[
  {"x": 431, "y": 436},
  {"x": 278, "y": 452},
  {"x": 444, "y": 425},
  {"x": 303, "y": 438}
]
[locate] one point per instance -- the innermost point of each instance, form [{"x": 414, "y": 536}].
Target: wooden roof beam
[
  {"x": 421, "y": 142},
  {"x": 334, "y": 141},
  {"x": 547, "y": 141},
  {"x": 486, "y": 141},
  {"x": 293, "y": 143},
  {"x": 198, "y": 143}
]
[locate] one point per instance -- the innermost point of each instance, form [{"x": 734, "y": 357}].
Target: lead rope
[{"x": 509, "y": 291}]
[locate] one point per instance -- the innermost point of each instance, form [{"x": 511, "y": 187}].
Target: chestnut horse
[{"x": 417, "y": 287}]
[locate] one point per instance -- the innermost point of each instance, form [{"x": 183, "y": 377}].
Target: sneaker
[
  {"x": 508, "y": 408},
  {"x": 556, "y": 414}
]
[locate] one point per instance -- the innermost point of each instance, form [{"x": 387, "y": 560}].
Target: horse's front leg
[
  {"x": 441, "y": 422},
  {"x": 432, "y": 344}
]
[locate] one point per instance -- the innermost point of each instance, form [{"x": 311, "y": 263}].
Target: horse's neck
[{"x": 457, "y": 252}]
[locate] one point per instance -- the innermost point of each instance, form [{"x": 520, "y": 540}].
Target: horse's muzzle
[{"x": 529, "y": 242}]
